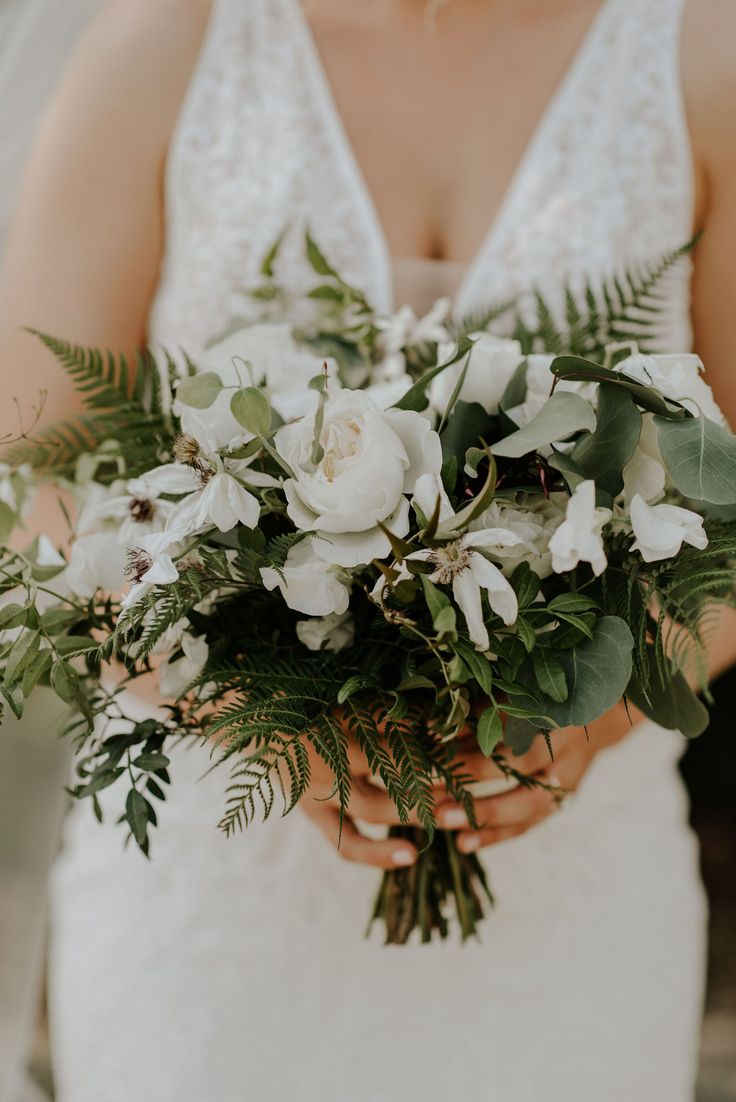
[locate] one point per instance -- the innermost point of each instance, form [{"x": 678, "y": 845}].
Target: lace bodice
[{"x": 605, "y": 182}]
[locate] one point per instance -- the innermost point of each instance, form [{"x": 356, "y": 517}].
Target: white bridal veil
[{"x": 36, "y": 38}]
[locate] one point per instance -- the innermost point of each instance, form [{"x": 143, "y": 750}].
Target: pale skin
[{"x": 88, "y": 236}]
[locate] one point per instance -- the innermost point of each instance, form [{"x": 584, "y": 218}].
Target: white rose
[
  {"x": 333, "y": 632},
  {"x": 578, "y": 539},
  {"x": 491, "y": 364},
  {"x": 371, "y": 459},
  {"x": 678, "y": 376},
  {"x": 534, "y": 520},
  {"x": 308, "y": 584},
  {"x": 661, "y": 530},
  {"x": 276, "y": 358}
]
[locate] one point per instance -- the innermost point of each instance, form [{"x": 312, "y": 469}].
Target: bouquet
[{"x": 386, "y": 530}]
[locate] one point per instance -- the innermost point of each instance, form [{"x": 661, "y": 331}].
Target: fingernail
[
  {"x": 469, "y": 844},
  {"x": 403, "y": 857},
  {"x": 454, "y": 818}
]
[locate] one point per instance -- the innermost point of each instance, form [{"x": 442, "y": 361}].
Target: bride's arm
[{"x": 85, "y": 243}]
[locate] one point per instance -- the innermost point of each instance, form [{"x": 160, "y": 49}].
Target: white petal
[
  {"x": 501, "y": 595},
  {"x": 172, "y": 478},
  {"x": 467, "y": 594},
  {"x": 351, "y": 549}
]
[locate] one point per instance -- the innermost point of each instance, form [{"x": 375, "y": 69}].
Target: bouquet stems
[{"x": 443, "y": 884}]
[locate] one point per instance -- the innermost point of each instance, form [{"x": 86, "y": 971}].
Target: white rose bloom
[
  {"x": 308, "y": 584},
  {"x": 371, "y": 459},
  {"x": 535, "y": 521},
  {"x": 173, "y": 677},
  {"x": 277, "y": 360},
  {"x": 678, "y": 376},
  {"x": 332, "y": 633},
  {"x": 96, "y": 561},
  {"x": 578, "y": 539},
  {"x": 661, "y": 530},
  {"x": 491, "y": 365}
]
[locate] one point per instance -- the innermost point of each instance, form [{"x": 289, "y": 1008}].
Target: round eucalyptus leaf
[
  {"x": 250, "y": 409},
  {"x": 199, "y": 391}
]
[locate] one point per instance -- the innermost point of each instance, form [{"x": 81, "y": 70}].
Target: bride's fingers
[
  {"x": 391, "y": 853},
  {"x": 474, "y": 840},
  {"x": 522, "y": 805},
  {"x": 374, "y": 805}
]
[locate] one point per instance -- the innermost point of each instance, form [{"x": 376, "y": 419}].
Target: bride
[{"x": 480, "y": 150}]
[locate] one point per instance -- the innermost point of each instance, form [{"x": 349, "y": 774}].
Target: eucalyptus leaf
[
  {"x": 250, "y": 409},
  {"x": 562, "y": 416},
  {"x": 603, "y": 454},
  {"x": 673, "y": 704},
  {"x": 649, "y": 398},
  {"x": 199, "y": 391},
  {"x": 550, "y": 674},
  {"x": 700, "y": 457},
  {"x": 597, "y": 673}
]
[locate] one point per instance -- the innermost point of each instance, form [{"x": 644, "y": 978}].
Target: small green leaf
[
  {"x": 250, "y": 409},
  {"x": 22, "y": 653},
  {"x": 572, "y": 602},
  {"x": 136, "y": 813},
  {"x": 149, "y": 762},
  {"x": 16, "y": 699},
  {"x": 436, "y": 600},
  {"x": 75, "y": 644},
  {"x": 490, "y": 731},
  {"x": 64, "y": 681},
  {"x": 59, "y": 619},
  {"x": 199, "y": 391},
  {"x": 603, "y": 454},
  {"x": 526, "y": 584},
  {"x": 479, "y": 666},
  {"x": 519, "y": 734},
  {"x": 355, "y": 685},
  {"x": 445, "y": 623},
  {"x": 12, "y": 616},
  {"x": 415, "y": 398},
  {"x": 526, "y": 633},
  {"x": 318, "y": 260}
]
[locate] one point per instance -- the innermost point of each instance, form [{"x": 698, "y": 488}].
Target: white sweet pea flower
[
  {"x": 332, "y": 633},
  {"x": 150, "y": 564},
  {"x": 175, "y": 676},
  {"x": 578, "y": 538},
  {"x": 277, "y": 360},
  {"x": 308, "y": 584},
  {"x": 492, "y": 362},
  {"x": 370, "y": 460},
  {"x": 96, "y": 561},
  {"x": 14, "y": 485},
  {"x": 645, "y": 474},
  {"x": 661, "y": 530},
  {"x": 47, "y": 554},
  {"x": 678, "y": 376}
]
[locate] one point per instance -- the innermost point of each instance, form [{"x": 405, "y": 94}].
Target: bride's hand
[
  {"x": 512, "y": 813},
  {"x": 499, "y": 817}
]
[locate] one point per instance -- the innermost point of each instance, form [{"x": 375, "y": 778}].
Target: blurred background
[{"x": 36, "y": 37}]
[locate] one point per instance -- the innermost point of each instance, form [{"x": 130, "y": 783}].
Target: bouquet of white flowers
[{"x": 390, "y": 530}]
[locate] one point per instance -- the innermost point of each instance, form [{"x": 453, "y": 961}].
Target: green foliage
[{"x": 123, "y": 403}]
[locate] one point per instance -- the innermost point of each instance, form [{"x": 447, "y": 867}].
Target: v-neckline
[{"x": 334, "y": 123}]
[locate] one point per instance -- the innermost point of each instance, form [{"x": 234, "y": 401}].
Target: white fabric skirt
[{"x": 224, "y": 970}]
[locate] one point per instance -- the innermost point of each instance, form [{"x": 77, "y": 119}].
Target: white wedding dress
[{"x": 222, "y": 970}]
